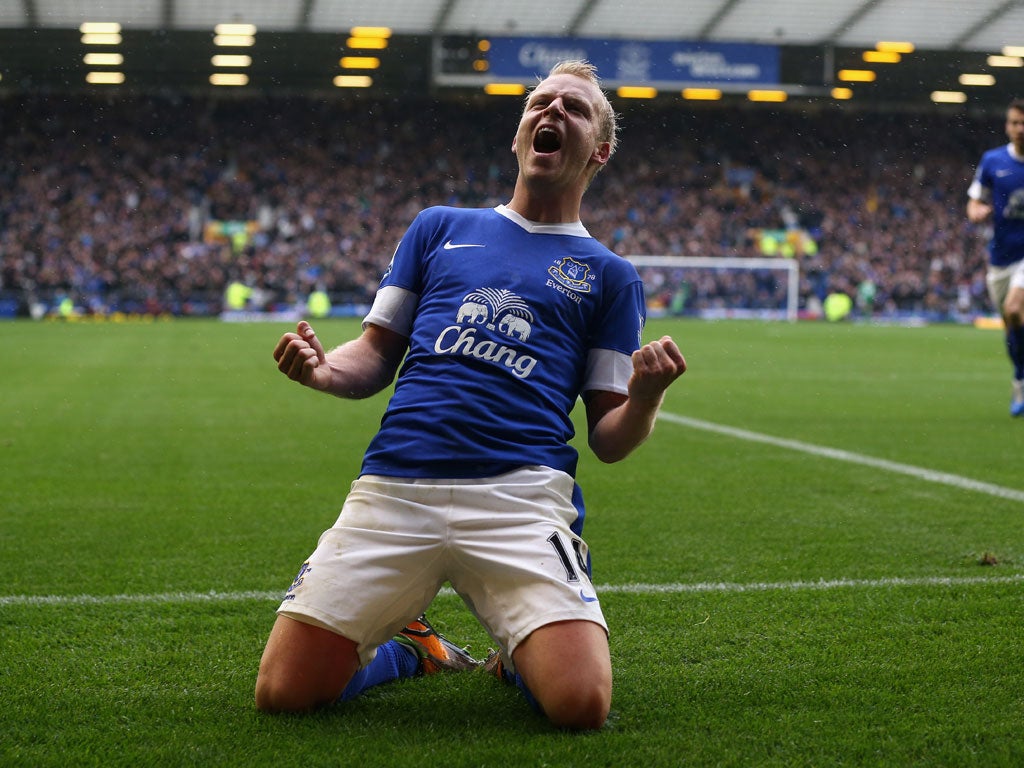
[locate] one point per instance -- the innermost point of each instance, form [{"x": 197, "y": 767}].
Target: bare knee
[
  {"x": 584, "y": 707},
  {"x": 274, "y": 695},
  {"x": 303, "y": 667},
  {"x": 567, "y": 668}
]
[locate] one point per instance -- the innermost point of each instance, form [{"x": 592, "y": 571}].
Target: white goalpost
[{"x": 721, "y": 287}]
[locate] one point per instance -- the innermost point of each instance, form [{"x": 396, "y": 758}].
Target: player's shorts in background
[
  {"x": 504, "y": 544},
  {"x": 1001, "y": 279}
]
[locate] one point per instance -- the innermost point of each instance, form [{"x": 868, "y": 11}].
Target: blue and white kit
[
  {"x": 999, "y": 180},
  {"x": 509, "y": 322},
  {"x": 470, "y": 480}
]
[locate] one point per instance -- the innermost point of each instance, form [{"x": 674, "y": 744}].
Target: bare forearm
[
  {"x": 357, "y": 370},
  {"x": 617, "y": 423},
  {"x": 623, "y": 428}
]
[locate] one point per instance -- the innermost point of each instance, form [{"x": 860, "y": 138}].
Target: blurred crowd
[{"x": 156, "y": 205}]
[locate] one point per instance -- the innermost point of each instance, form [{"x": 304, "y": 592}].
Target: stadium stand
[{"x": 155, "y": 205}]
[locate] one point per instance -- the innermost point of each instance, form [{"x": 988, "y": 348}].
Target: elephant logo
[
  {"x": 487, "y": 306},
  {"x": 515, "y": 327},
  {"x": 500, "y": 312},
  {"x": 1014, "y": 205},
  {"x": 472, "y": 312}
]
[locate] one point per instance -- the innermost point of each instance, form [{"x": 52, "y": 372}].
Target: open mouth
[{"x": 547, "y": 140}]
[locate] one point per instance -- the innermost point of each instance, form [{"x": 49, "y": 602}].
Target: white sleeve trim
[
  {"x": 393, "y": 308},
  {"x": 608, "y": 371}
]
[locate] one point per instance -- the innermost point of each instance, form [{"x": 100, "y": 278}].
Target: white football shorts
[
  {"x": 1001, "y": 279},
  {"x": 503, "y": 543}
]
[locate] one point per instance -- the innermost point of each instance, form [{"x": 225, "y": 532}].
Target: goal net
[{"x": 720, "y": 287}]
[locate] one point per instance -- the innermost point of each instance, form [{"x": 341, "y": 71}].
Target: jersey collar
[{"x": 576, "y": 229}]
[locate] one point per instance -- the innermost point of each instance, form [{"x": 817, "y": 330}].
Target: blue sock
[
  {"x": 1015, "y": 349},
  {"x": 521, "y": 685},
  {"x": 517, "y": 680},
  {"x": 393, "y": 661}
]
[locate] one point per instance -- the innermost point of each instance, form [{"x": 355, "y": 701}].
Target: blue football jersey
[
  {"x": 999, "y": 180},
  {"x": 508, "y": 321}
]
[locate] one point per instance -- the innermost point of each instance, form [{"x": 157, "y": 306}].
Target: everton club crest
[{"x": 571, "y": 273}]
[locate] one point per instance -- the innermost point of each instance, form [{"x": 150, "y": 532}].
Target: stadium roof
[
  {"x": 946, "y": 52},
  {"x": 971, "y": 25}
]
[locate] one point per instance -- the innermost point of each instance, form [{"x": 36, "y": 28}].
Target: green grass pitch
[{"x": 817, "y": 559}]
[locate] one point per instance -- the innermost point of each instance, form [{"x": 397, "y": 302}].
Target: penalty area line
[
  {"x": 929, "y": 475},
  {"x": 184, "y": 598}
]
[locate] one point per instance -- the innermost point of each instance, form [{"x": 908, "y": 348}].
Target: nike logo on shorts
[{"x": 587, "y": 598}]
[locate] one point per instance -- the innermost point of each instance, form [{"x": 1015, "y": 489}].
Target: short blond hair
[{"x": 608, "y": 121}]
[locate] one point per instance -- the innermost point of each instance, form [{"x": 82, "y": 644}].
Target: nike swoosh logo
[
  {"x": 586, "y": 598},
  {"x": 451, "y": 246}
]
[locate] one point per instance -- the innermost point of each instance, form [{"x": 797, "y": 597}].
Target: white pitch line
[
  {"x": 804, "y": 586},
  {"x": 931, "y": 475},
  {"x": 164, "y": 598},
  {"x": 168, "y": 598}
]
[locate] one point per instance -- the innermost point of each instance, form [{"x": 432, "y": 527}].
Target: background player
[
  {"x": 504, "y": 317},
  {"x": 997, "y": 193}
]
